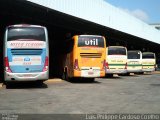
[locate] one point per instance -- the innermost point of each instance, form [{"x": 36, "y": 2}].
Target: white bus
[
  {"x": 116, "y": 60},
  {"x": 134, "y": 62},
  {"x": 148, "y": 61},
  {"x": 26, "y": 53}
]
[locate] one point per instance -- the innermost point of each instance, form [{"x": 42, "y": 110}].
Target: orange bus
[{"x": 86, "y": 57}]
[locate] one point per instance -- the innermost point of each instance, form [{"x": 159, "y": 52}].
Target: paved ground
[{"x": 125, "y": 94}]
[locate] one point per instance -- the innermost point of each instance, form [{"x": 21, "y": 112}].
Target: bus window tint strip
[
  {"x": 148, "y": 56},
  {"x": 133, "y": 55},
  {"x": 90, "y": 41},
  {"x": 27, "y": 51},
  {"x": 116, "y": 51},
  {"x": 29, "y": 33}
]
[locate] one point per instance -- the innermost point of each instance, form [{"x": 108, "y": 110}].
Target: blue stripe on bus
[
  {"x": 24, "y": 68},
  {"x": 9, "y": 55}
]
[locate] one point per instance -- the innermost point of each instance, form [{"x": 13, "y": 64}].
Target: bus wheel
[
  {"x": 65, "y": 75},
  {"x": 90, "y": 80},
  {"x": 109, "y": 75},
  {"x": 141, "y": 73},
  {"x": 8, "y": 84},
  {"x": 39, "y": 82},
  {"x": 126, "y": 74}
]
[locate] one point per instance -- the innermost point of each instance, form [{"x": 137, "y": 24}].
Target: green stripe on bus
[
  {"x": 147, "y": 65},
  {"x": 134, "y": 65}
]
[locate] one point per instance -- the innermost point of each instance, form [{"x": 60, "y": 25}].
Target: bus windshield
[
  {"x": 85, "y": 41},
  {"x": 148, "y": 56},
  {"x": 36, "y": 33},
  {"x": 116, "y": 51},
  {"x": 134, "y": 55}
]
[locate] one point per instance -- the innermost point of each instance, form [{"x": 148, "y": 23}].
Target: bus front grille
[
  {"x": 91, "y": 55},
  {"x": 26, "y": 51}
]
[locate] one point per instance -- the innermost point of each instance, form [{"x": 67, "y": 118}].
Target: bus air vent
[
  {"x": 91, "y": 55},
  {"x": 26, "y": 51}
]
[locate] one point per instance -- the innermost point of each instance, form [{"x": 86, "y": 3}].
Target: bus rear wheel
[
  {"x": 39, "y": 82},
  {"x": 65, "y": 75},
  {"x": 140, "y": 73},
  {"x": 90, "y": 80},
  {"x": 8, "y": 84},
  {"x": 109, "y": 75}
]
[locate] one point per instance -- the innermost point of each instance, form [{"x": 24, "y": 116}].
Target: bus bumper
[
  {"x": 117, "y": 71},
  {"x": 26, "y": 76},
  {"x": 88, "y": 74},
  {"x": 148, "y": 70},
  {"x": 135, "y": 71}
]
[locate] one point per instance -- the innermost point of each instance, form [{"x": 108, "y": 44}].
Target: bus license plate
[
  {"x": 90, "y": 73},
  {"x": 27, "y": 75}
]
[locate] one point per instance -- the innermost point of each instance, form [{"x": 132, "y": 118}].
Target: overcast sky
[{"x": 146, "y": 10}]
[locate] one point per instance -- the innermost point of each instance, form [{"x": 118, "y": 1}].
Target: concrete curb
[
  {"x": 1, "y": 85},
  {"x": 156, "y": 72},
  {"x": 53, "y": 80}
]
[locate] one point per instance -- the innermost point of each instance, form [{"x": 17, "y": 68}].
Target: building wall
[{"x": 99, "y": 11}]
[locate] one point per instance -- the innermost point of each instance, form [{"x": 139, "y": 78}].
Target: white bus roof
[
  {"x": 25, "y": 25},
  {"x": 117, "y": 46}
]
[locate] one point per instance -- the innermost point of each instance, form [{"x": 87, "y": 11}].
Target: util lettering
[{"x": 91, "y": 42}]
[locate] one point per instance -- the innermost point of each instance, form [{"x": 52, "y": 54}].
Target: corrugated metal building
[
  {"x": 78, "y": 17},
  {"x": 102, "y": 13},
  {"x": 156, "y": 25}
]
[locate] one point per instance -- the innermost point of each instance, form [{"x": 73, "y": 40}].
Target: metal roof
[{"x": 100, "y": 12}]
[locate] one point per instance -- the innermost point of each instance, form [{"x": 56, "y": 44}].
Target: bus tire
[
  {"x": 141, "y": 73},
  {"x": 124, "y": 74},
  {"x": 8, "y": 84},
  {"x": 90, "y": 80},
  {"x": 65, "y": 75},
  {"x": 109, "y": 75},
  {"x": 39, "y": 82}
]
